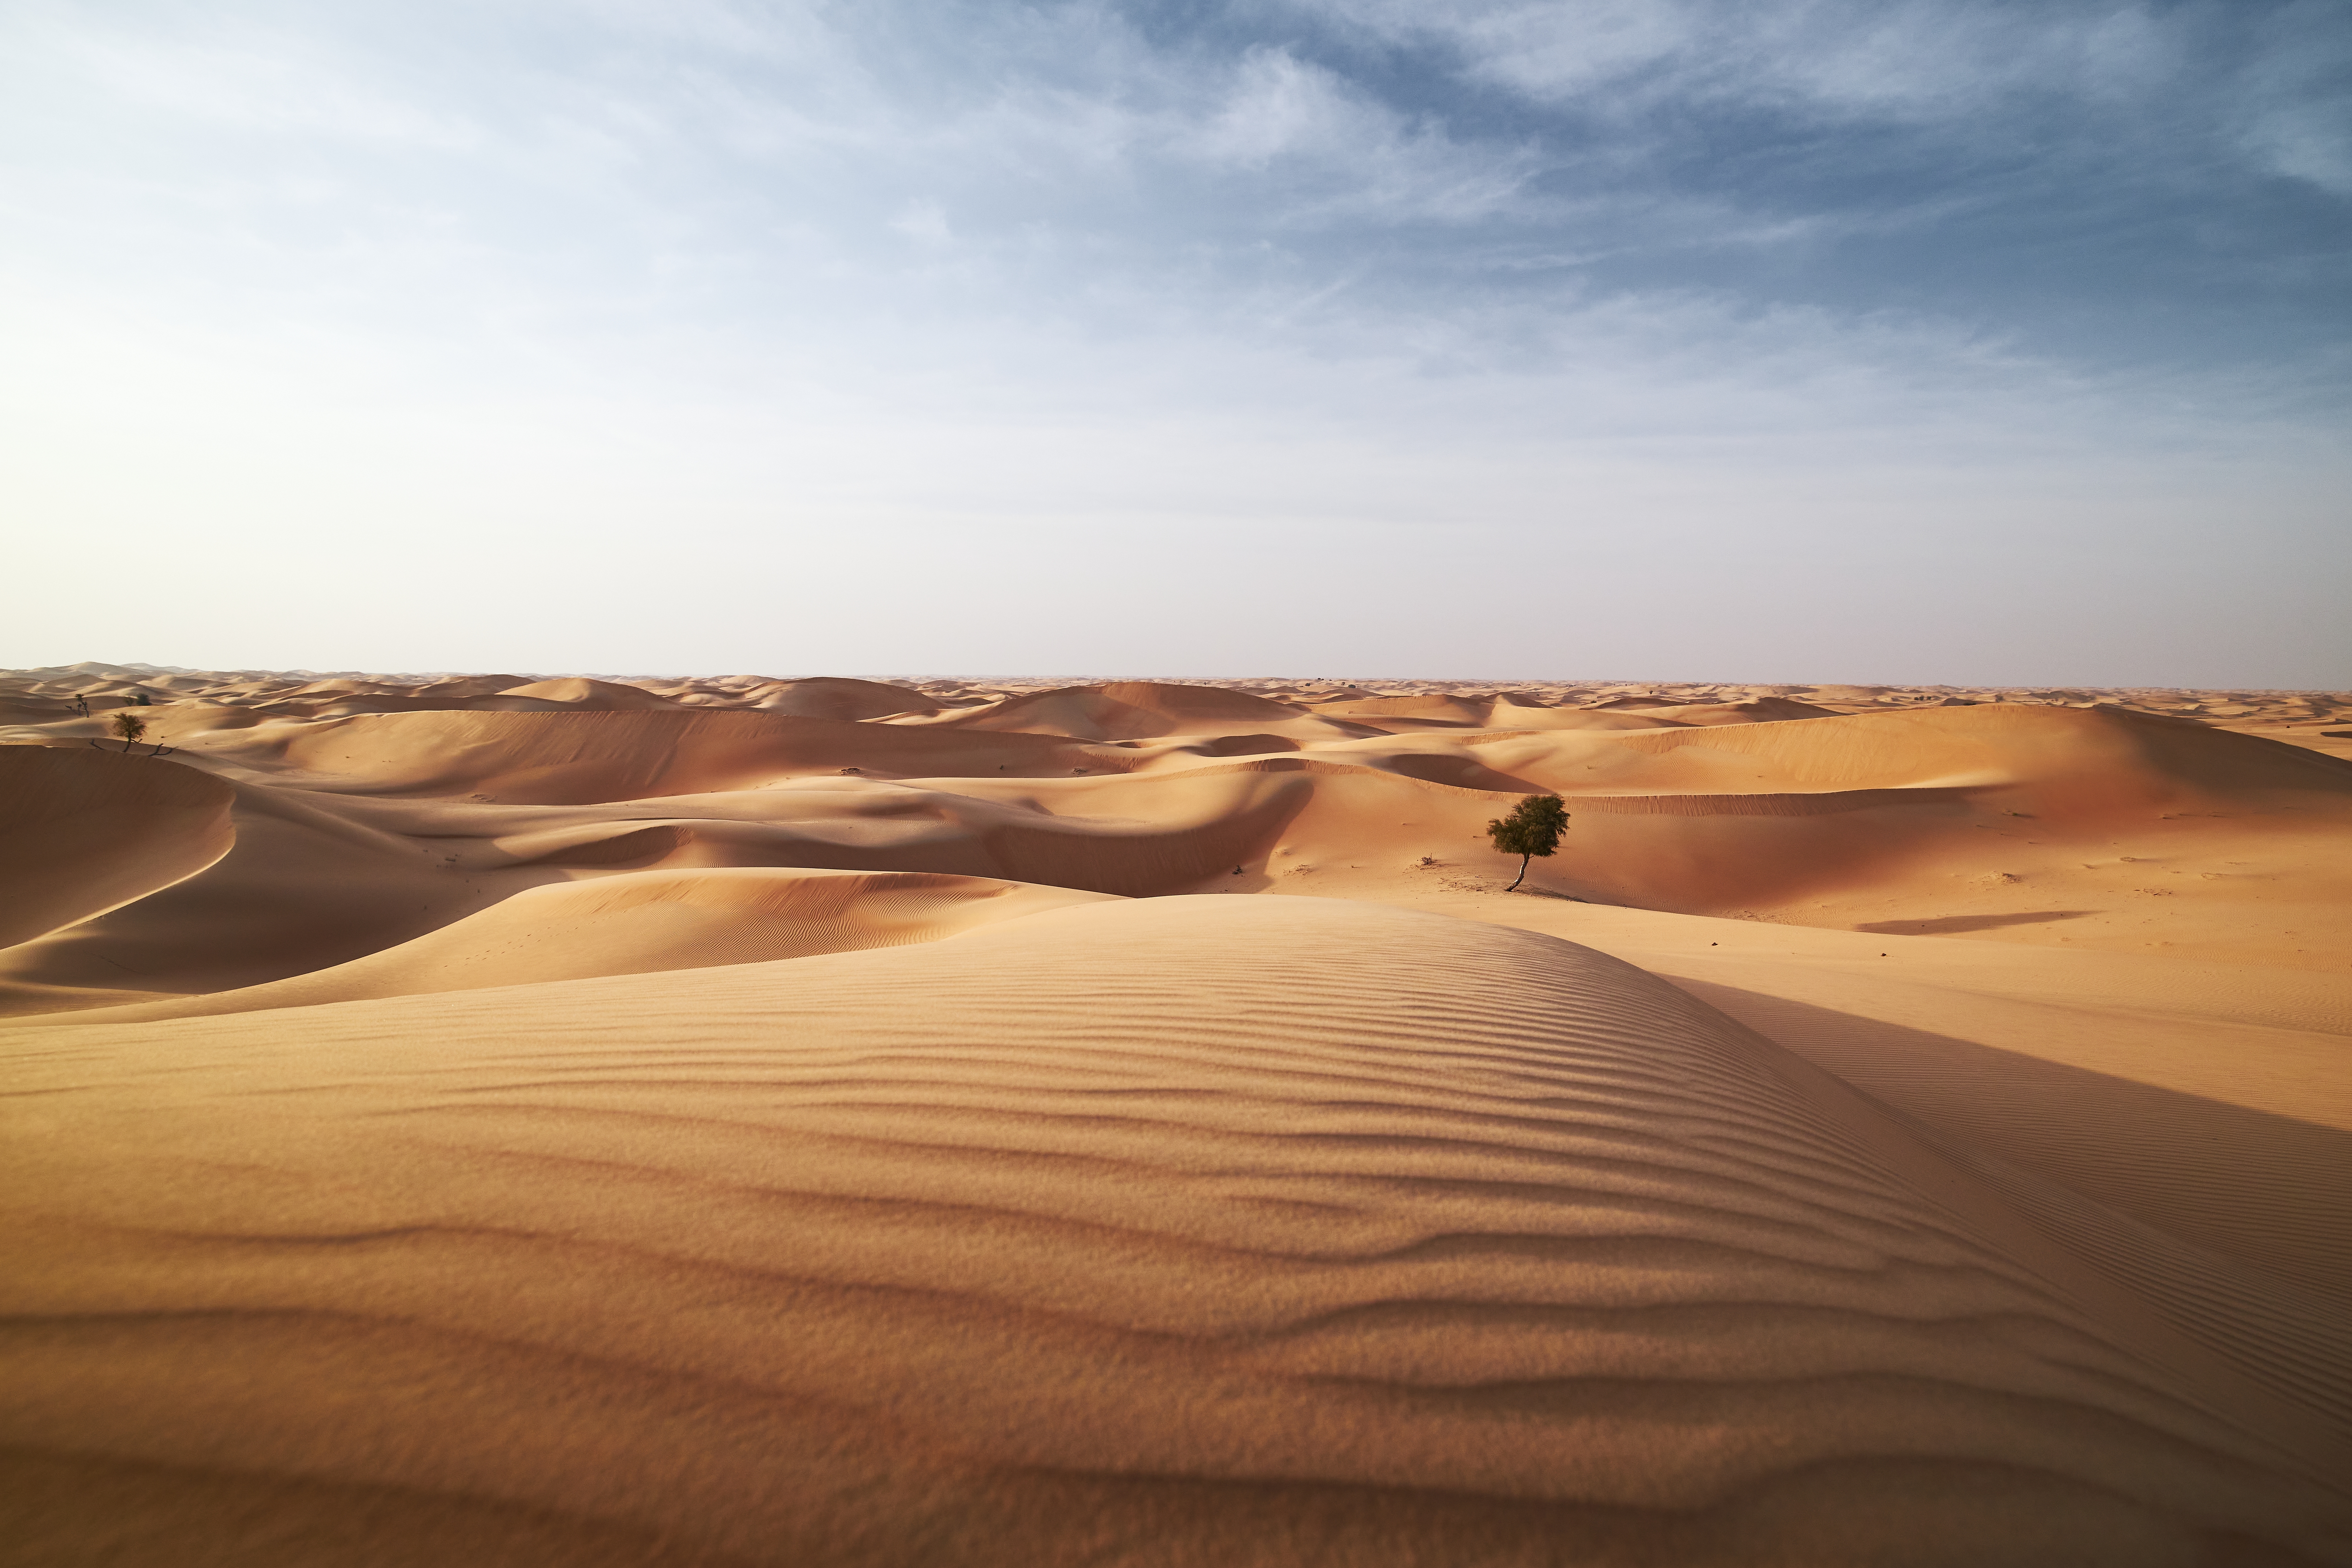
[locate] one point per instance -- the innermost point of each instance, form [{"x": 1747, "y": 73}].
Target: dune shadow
[
  {"x": 1238, "y": 745},
  {"x": 1954, "y": 925},
  {"x": 2250, "y": 1183},
  {"x": 1460, "y": 772},
  {"x": 2257, "y": 1195}
]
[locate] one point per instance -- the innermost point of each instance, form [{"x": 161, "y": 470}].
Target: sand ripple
[{"x": 1187, "y": 1231}]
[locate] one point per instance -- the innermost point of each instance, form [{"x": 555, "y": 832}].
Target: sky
[{"x": 1777, "y": 341}]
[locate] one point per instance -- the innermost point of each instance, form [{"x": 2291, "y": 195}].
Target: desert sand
[{"x": 581, "y": 1120}]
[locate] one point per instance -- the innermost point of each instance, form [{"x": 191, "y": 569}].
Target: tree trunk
[{"x": 1520, "y": 877}]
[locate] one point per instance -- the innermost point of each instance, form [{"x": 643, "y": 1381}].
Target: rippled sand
[{"x": 810, "y": 1168}]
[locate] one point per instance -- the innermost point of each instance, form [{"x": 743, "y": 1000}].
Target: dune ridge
[
  {"x": 1572, "y": 1245},
  {"x": 638, "y": 923},
  {"x": 89, "y": 831},
  {"x": 2002, "y": 822},
  {"x": 527, "y": 1119}
]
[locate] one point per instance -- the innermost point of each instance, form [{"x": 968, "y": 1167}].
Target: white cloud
[
  {"x": 925, "y": 223},
  {"x": 804, "y": 283},
  {"x": 2296, "y": 116},
  {"x": 2309, "y": 142},
  {"x": 1331, "y": 153},
  {"x": 251, "y": 78},
  {"x": 1929, "y": 58},
  {"x": 1278, "y": 107}
]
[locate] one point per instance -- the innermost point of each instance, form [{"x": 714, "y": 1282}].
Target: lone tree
[
  {"x": 131, "y": 727},
  {"x": 1533, "y": 829}
]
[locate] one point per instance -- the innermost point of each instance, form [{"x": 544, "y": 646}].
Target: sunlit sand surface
[{"x": 501, "y": 1121}]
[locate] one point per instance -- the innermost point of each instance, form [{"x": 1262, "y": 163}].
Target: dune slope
[
  {"x": 1182, "y": 1231},
  {"x": 561, "y": 759},
  {"x": 2062, "y": 826},
  {"x": 84, "y": 830},
  {"x": 638, "y": 923},
  {"x": 1139, "y": 709}
]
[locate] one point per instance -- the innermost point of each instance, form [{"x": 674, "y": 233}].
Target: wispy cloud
[
  {"x": 1420, "y": 264},
  {"x": 1921, "y": 61}
]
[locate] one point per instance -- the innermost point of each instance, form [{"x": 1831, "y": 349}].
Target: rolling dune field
[{"x": 507, "y": 1120}]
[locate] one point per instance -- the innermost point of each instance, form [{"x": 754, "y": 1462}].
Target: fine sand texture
[
  {"x": 1193, "y": 1230},
  {"x": 510, "y": 1119}
]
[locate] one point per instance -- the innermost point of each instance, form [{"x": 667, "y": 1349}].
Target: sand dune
[
  {"x": 1513, "y": 716},
  {"x": 561, "y": 759},
  {"x": 2107, "y": 756},
  {"x": 300, "y": 889},
  {"x": 1503, "y": 711},
  {"x": 2186, "y": 1125},
  {"x": 535, "y": 1120},
  {"x": 1427, "y": 708},
  {"x": 831, "y": 698},
  {"x": 1198, "y": 1231},
  {"x": 2067, "y": 826},
  {"x": 1757, "y": 710},
  {"x": 89, "y": 830},
  {"x": 1141, "y": 710},
  {"x": 640, "y": 923},
  {"x": 461, "y": 687},
  {"x": 602, "y": 696},
  {"x": 319, "y": 878}
]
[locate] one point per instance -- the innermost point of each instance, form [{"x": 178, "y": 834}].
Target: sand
[{"x": 824, "y": 1122}]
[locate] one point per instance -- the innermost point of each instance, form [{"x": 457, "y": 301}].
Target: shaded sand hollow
[{"x": 511, "y": 1120}]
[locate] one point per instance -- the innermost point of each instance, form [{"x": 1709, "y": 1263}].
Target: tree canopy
[{"x": 1533, "y": 829}]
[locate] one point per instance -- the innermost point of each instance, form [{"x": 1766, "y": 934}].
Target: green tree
[
  {"x": 129, "y": 726},
  {"x": 1533, "y": 829}
]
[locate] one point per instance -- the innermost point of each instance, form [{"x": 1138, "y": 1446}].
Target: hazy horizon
[
  {"x": 1101, "y": 677},
  {"x": 1971, "y": 345}
]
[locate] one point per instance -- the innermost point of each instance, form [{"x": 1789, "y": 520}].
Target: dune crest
[
  {"x": 638, "y": 923},
  {"x": 1198, "y": 1230},
  {"x": 1143, "y": 710},
  {"x": 578, "y": 691},
  {"x": 540, "y": 1120},
  {"x": 829, "y": 697},
  {"x": 89, "y": 830},
  {"x": 2096, "y": 825}
]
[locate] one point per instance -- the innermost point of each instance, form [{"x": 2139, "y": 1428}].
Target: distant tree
[
  {"x": 1533, "y": 829},
  {"x": 129, "y": 726}
]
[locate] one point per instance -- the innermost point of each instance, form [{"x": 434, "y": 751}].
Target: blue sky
[{"x": 1967, "y": 342}]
